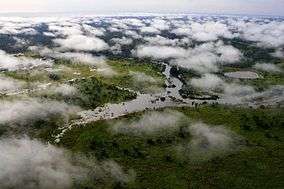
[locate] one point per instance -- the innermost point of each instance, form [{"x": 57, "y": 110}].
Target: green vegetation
[
  {"x": 185, "y": 76},
  {"x": 123, "y": 78},
  {"x": 61, "y": 71},
  {"x": 70, "y": 70},
  {"x": 43, "y": 128},
  {"x": 28, "y": 75},
  {"x": 267, "y": 80},
  {"x": 157, "y": 165},
  {"x": 95, "y": 89},
  {"x": 96, "y": 93},
  {"x": 91, "y": 93},
  {"x": 156, "y": 159},
  {"x": 252, "y": 53}
]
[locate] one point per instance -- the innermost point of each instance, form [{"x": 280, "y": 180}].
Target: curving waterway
[{"x": 169, "y": 98}]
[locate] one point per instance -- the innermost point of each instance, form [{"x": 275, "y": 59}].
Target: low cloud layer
[
  {"x": 83, "y": 43},
  {"x": 78, "y": 57},
  {"x": 208, "y": 82},
  {"x": 208, "y": 31},
  {"x": 265, "y": 34},
  {"x": 9, "y": 85},
  {"x": 210, "y": 141},
  {"x": 27, "y": 111},
  {"x": 199, "y": 43},
  {"x": 205, "y": 58},
  {"x": 267, "y": 67},
  {"x": 205, "y": 141},
  {"x": 11, "y": 63},
  {"x": 160, "y": 52},
  {"x": 235, "y": 93},
  {"x": 31, "y": 164},
  {"x": 150, "y": 123},
  {"x": 208, "y": 57},
  {"x": 65, "y": 90},
  {"x": 87, "y": 33},
  {"x": 141, "y": 77},
  {"x": 146, "y": 83}
]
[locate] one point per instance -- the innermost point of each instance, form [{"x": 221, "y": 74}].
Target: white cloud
[
  {"x": 142, "y": 77},
  {"x": 208, "y": 31},
  {"x": 65, "y": 90},
  {"x": 279, "y": 53},
  {"x": 210, "y": 141},
  {"x": 271, "y": 97},
  {"x": 150, "y": 123},
  {"x": 82, "y": 43},
  {"x": 150, "y": 30},
  {"x": 76, "y": 57},
  {"x": 205, "y": 58},
  {"x": 30, "y": 164},
  {"x": 146, "y": 83},
  {"x": 20, "y": 42},
  {"x": 65, "y": 28},
  {"x": 111, "y": 169},
  {"x": 230, "y": 92},
  {"x": 49, "y": 34},
  {"x": 246, "y": 95},
  {"x": 26, "y": 111},
  {"x": 132, "y": 34},
  {"x": 160, "y": 24},
  {"x": 160, "y": 52},
  {"x": 161, "y": 41},
  {"x": 229, "y": 54},
  {"x": 9, "y": 85},
  {"x": 98, "y": 62},
  {"x": 202, "y": 59},
  {"x": 267, "y": 35},
  {"x": 82, "y": 58},
  {"x": 236, "y": 90},
  {"x": 122, "y": 41},
  {"x": 12, "y": 63},
  {"x": 116, "y": 49},
  {"x": 201, "y": 62},
  {"x": 94, "y": 31},
  {"x": 213, "y": 137},
  {"x": 12, "y": 27},
  {"x": 118, "y": 24},
  {"x": 182, "y": 31},
  {"x": 207, "y": 82},
  {"x": 267, "y": 67},
  {"x": 234, "y": 93},
  {"x": 134, "y": 22}
]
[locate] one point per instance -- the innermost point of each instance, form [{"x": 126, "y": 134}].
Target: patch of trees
[
  {"x": 95, "y": 93},
  {"x": 260, "y": 120}
]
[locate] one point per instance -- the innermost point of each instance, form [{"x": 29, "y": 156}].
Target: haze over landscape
[
  {"x": 141, "y": 94},
  {"x": 251, "y": 7}
]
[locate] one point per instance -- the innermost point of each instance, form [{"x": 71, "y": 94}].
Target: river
[{"x": 168, "y": 98}]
